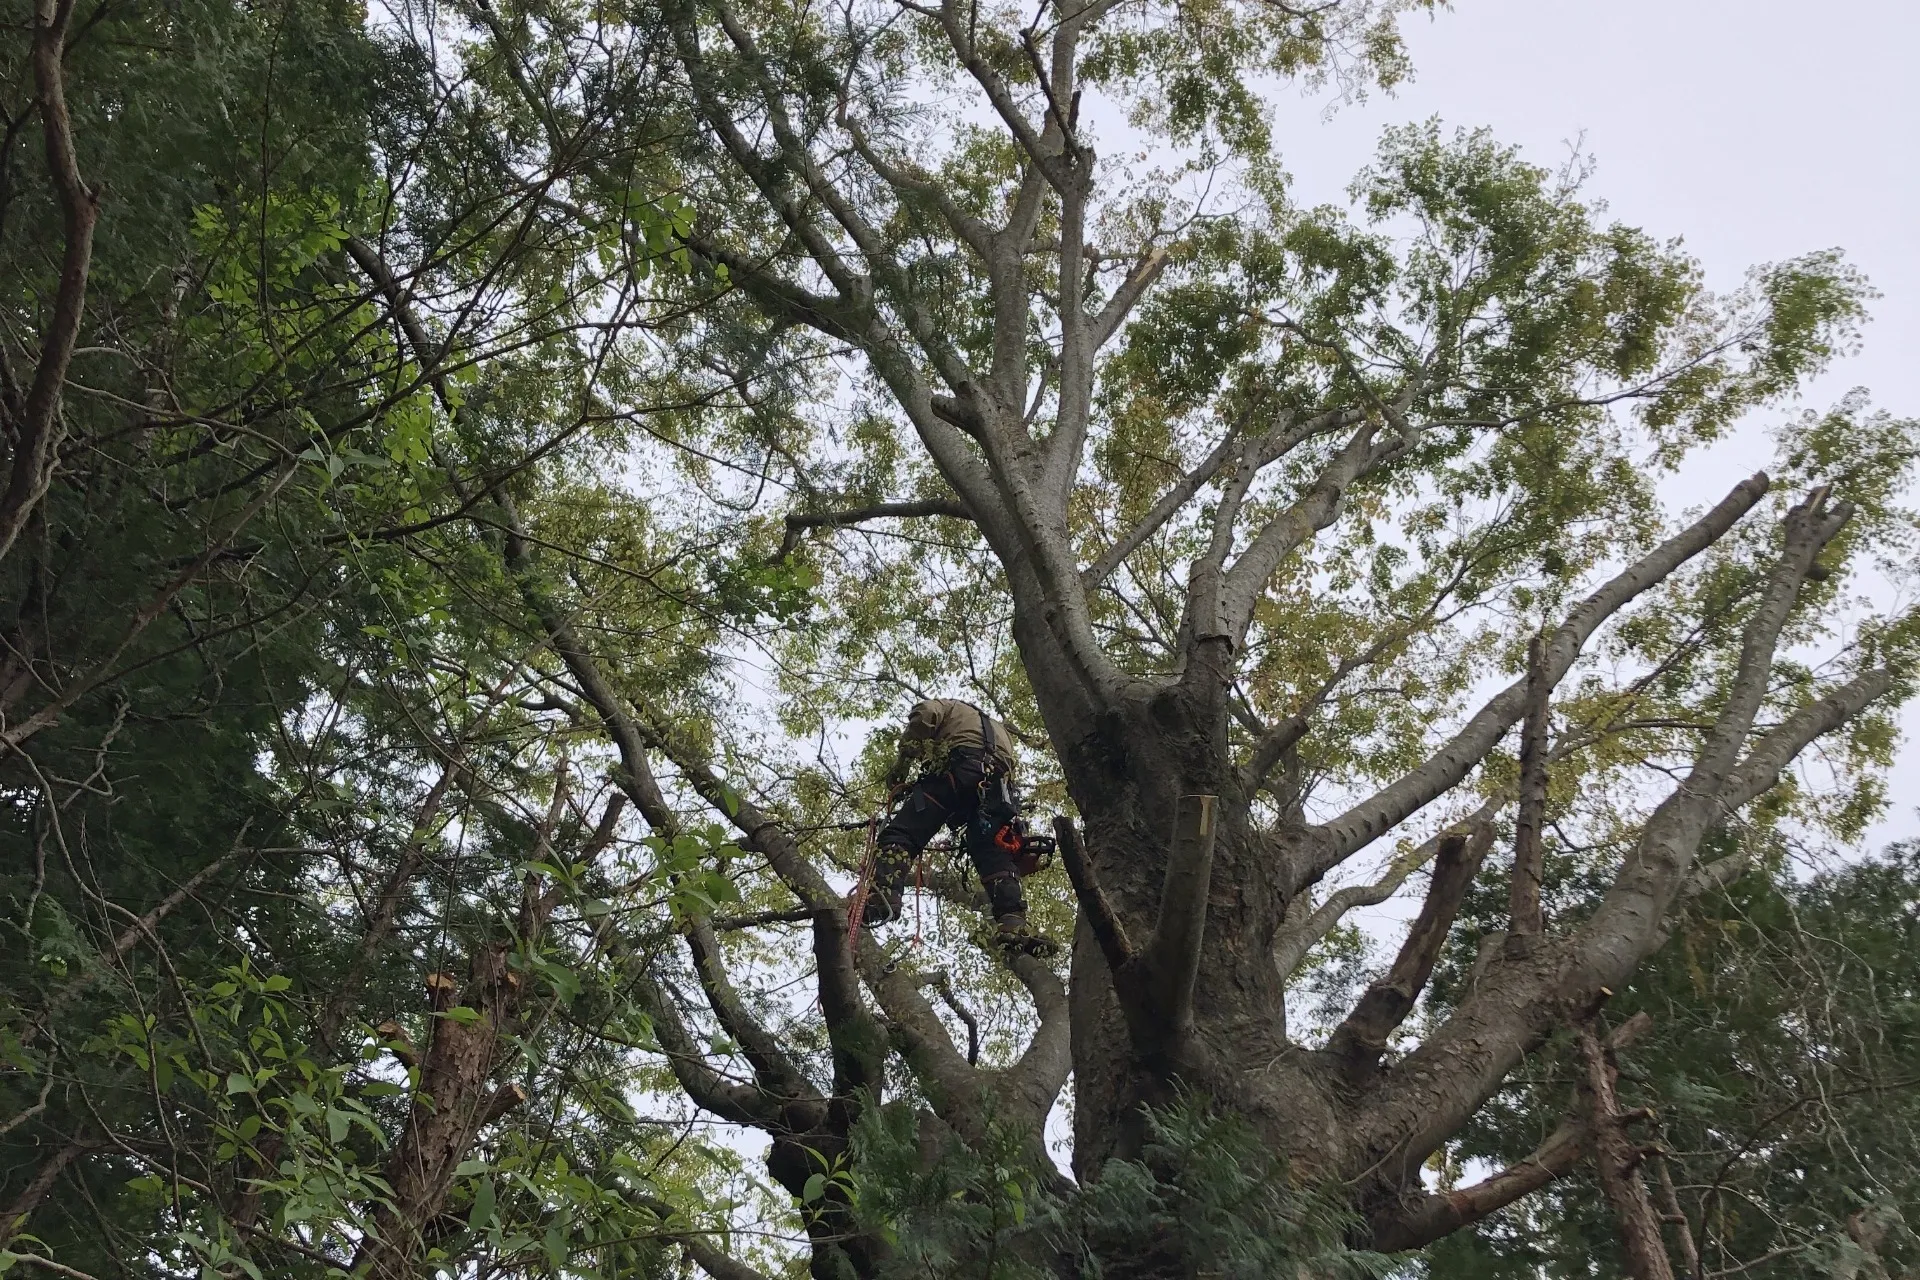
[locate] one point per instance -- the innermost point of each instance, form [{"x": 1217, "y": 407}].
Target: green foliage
[
  {"x": 1204, "y": 1197},
  {"x": 1780, "y": 1070}
]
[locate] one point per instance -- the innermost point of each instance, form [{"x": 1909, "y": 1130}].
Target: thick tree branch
[
  {"x": 1241, "y": 586},
  {"x": 1630, "y": 919},
  {"x": 1035, "y": 1079},
  {"x": 1464, "y": 1061},
  {"x": 1436, "y": 1216},
  {"x": 1618, "y": 1161},
  {"x": 851, "y": 1028},
  {"x": 943, "y": 987},
  {"x": 1430, "y": 1217},
  {"x": 21, "y": 1207},
  {"x": 1108, "y": 930},
  {"x": 952, "y": 1085},
  {"x": 1761, "y": 769},
  {"x": 777, "y": 1073},
  {"x": 1164, "y": 510},
  {"x": 738, "y": 1103}
]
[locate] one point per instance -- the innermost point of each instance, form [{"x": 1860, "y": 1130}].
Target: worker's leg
[
  {"x": 936, "y": 801},
  {"x": 1004, "y": 895},
  {"x": 997, "y": 874}
]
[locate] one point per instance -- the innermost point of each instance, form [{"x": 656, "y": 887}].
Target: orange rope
[{"x": 869, "y": 868}]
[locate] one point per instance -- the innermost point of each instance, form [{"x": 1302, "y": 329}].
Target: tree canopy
[{"x": 483, "y": 483}]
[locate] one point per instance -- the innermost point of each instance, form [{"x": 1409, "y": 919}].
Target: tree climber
[{"x": 965, "y": 762}]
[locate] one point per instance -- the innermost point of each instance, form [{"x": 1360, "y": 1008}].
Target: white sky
[{"x": 1756, "y": 131}]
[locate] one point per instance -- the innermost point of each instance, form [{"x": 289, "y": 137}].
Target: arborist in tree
[{"x": 964, "y": 762}]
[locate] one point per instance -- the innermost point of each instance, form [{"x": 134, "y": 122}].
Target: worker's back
[{"x": 951, "y": 723}]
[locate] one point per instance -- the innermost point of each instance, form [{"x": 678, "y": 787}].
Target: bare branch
[
  {"x": 1434, "y": 1216},
  {"x": 1034, "y": 1080},
  {"x": 1525, "y": 923},
  {"x": 1366, "y": 821},
  {"x": 851, "y": 1028},
  {"x": 1241, "y": 586},
  {"x": 943, "y": 985},
  {"x": 1673, "y": 1215},
  {"x": 1463, "y": 1062},
  {"x": 1618, "y": 1161},
  {"x": 739, "y": 1103},
  {"x": 49, "y": 1265},
  {"x": 777, "y": 1073},
  {"x": 1125, "y": 298},
  {"x": 798, "y": 521},
  {"x": 1163, "y": 511},
  {"x": 1774, "y": 752},
  {"x": 1298, "y": 938},
  {"x": 1431, "y": 1217},
  {"x": 1630, "y": 920}
]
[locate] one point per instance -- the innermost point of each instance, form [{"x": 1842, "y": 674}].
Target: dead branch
[
  {"x": 1618, "y": 1161},
  {"x": 1525, "y": 921},
  {"x": 1362, "y": 1036},
  {"x": 1172, "y": 958},
  {"x": 1108, "y": 930}
]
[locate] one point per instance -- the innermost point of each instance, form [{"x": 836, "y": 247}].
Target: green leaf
[
  {"x": 815, "y": 1188},
  {"x": 462, "y": 1014},
  {"x": 480, "y": 1217},
  {"x": 239, "y": 1082}
]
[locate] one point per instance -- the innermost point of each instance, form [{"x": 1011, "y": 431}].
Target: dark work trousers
[{"x": 950, "y": 799}]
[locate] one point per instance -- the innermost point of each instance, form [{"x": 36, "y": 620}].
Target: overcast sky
[{"x": 1756, "y": 131}]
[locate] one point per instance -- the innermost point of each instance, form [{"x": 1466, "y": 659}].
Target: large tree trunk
[{"x": 1126, "y": 776}]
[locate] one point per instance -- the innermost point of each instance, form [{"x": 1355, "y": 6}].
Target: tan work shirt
[{"x": 938, "y": 725}]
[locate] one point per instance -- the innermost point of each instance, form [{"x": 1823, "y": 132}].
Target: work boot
[
  {"x": 889, "y": 884},
  {"x": 1010, "y": 918},
  {"x": 1014, "y": 933}
]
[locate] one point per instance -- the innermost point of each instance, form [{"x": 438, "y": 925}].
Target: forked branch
[{"x": 1430, "y": 1217}]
